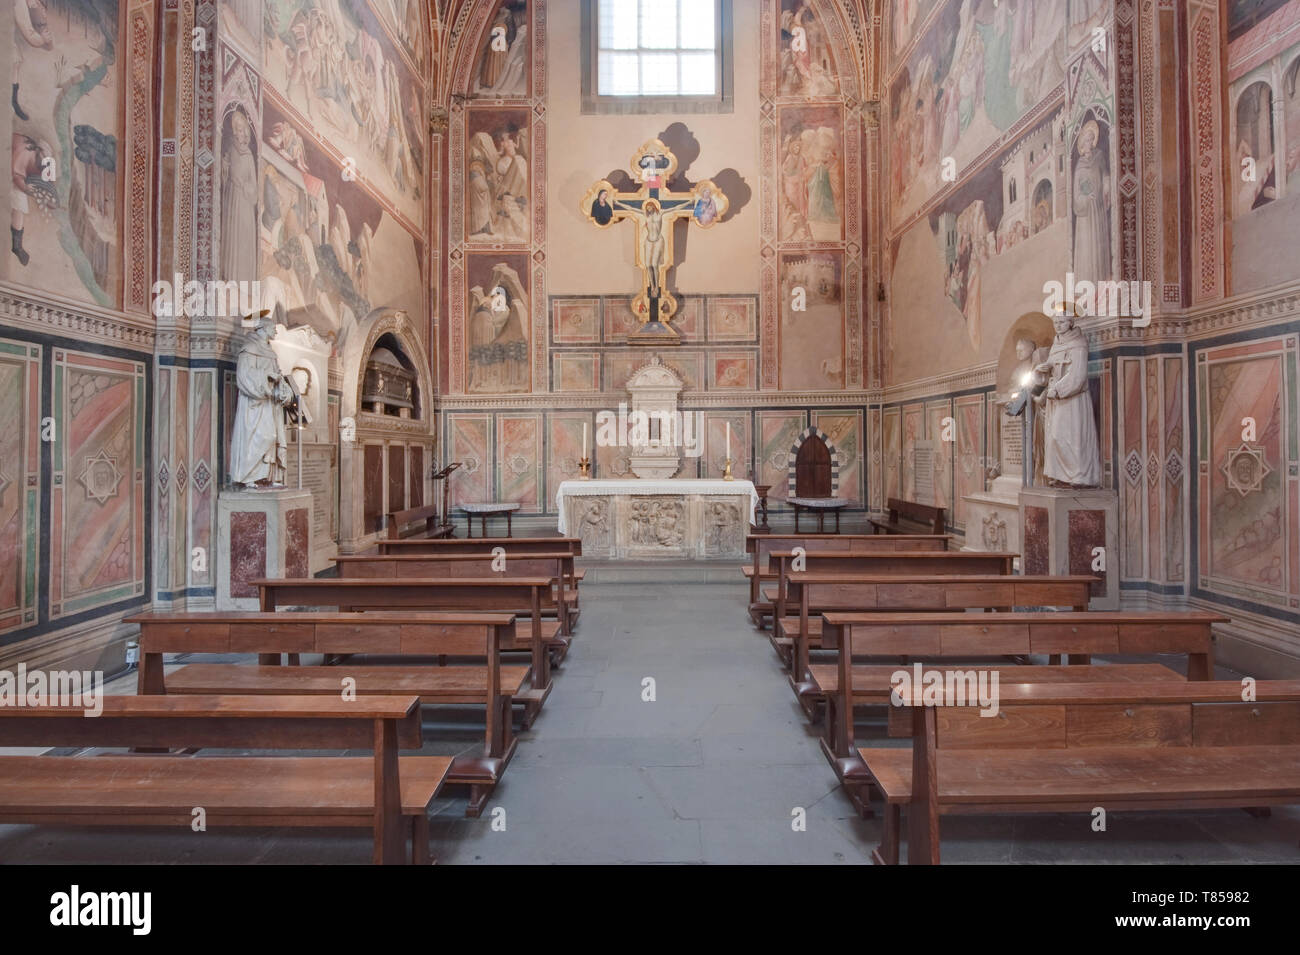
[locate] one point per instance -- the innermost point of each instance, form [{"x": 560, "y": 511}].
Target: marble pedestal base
[
  {"x": 1063, "y": 531},
  {"x": 993, "y": 518},
  {"x": 260, "y": 534}
]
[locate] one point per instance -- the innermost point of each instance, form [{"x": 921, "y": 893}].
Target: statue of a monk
[
  {"x": 1071, "y": 453},
  {"x": 258, "y": 447}
]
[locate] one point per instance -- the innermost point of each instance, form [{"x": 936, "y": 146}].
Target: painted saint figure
[
  {"x": 239, "y": 202},
  {"x": 601, "y": 210},
  {"x": 706, "y": 210},
  {"x": 258, "y": 446},
  {"x": 1091, "y": 208},
  {"x": 1071, "y": 453}
]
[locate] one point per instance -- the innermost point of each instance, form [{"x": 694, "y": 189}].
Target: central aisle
[{"x": 709, "y": 772}]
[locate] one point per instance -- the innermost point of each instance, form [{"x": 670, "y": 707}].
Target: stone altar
[{"x": 649, "y": 519}]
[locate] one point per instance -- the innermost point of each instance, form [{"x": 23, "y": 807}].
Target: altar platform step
[{"x": 674, "y": 571}]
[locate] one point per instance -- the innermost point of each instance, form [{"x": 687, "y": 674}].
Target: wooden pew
[
  {"x": 940, "y": 640},
  {"x": 909, "y": 517},
  {"x": 910, "y": 564},
  {"x": 424, "y": 518},
  {"x": 761, "y": 546},
  {"x": 376, "y": 633},
  {"x": 558, "y": 565},
  {"x": 525, "y": 596},
  {"x": 513, "y": 546},
  {"x": 1072, "y": 747},
  {"x": 385, "y": 792},
  {"x": 818, "y": 593}
]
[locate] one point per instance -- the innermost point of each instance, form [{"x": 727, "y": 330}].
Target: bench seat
[
  {"x": 432, "y": 684},
  {"x": 871, "y": 682},
  {"x": 1076, "y": 780}
]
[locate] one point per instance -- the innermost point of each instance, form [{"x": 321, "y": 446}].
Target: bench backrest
[
  {"x": 230, "y": 722},
  {"x": 926, "y": 514},
  {"x": 1066, "y": 716},
  {"x": 833, "y": 591},
  {"x": 911, "y": 563},
  {"x": 514, "y": 546},
  {"x": 555, "y": 565},
  {"x": 397, "y": 521}
]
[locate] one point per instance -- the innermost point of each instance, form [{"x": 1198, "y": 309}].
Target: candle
[
  {"x": 584, "y": 439},
  {"x": 728, "y": 440}
]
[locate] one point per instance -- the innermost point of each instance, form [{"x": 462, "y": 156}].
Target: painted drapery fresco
[{"x": 65, "y": 220}]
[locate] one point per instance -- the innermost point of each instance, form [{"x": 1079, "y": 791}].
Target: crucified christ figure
[{"x": 653, "y": 242}]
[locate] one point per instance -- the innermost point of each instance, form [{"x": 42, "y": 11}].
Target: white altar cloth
[{"x": 638, "y": 487}]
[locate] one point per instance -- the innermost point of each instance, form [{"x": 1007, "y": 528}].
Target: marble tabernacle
[{"x": 647, "y": 519}]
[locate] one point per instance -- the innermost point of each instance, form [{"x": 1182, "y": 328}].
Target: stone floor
[{"x": 711, "y": 771}]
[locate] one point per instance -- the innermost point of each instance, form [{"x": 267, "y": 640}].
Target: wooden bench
[
  {"x": 908, "y": 517},
  {"x": 909, "y": 564},
  {"x": 1069, "y": 748},
  {"x": 271, "y": 636},
  {"x": 761, "y": 546},
  {"x": 817, "y": 593},
  {"x": 525, "y": 596},
  {"x": 424, "y": 519},
  {"x": 558, "y": 565},
  {"x": 938, "y": 638},
  {"x": 384, "y": 792},
  {"x": 481, "y": 545}
]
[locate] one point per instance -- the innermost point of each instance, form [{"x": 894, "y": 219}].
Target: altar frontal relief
[{"x": 64, "y": 216}]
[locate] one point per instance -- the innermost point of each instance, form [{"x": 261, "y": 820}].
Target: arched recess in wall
[{"x": 384, "y": 459}]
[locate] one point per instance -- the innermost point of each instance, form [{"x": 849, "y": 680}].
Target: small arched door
[{"x": 812, "y": 469}]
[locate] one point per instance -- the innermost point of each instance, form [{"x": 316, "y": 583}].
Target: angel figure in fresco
[
  {"x": 498, "y": 341},
  {"x": 806, "y": 65},
  {"x": 497, "y": 185}
]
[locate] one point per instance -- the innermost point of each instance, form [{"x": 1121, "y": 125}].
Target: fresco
[
  {"x": 328, "y": 249},
  {"x": 497, "y": 330},
  {"x": 807, "y": 64},
  {"x": 968, "y": 80},
  {"x": 497, "y": 177},
  {"x": 65, "y": 224},
  {"x": 503, "y": 62},
  {"x": 333, "y": 63},
  {"x": 812, "y": 176},
  {"x": 812, "y": 339}
]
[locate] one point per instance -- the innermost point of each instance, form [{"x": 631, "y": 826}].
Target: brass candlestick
[
  {"x": 726, "y": 471},
  {"x": 584, "y": 469}
]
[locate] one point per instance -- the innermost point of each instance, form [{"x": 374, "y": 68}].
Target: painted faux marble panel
[
  {"x": 66, "y": 117},
  {"x": 777, "y": 432},
  {"x": 620, "y": 320},
  {"x": 564, "y": 449},
  {"x": 942, "y": 438},
  {"x": 845, "y": 432},
  {"x": 1175, "y": 471},
  {"x": 467, "y": 442},
  {"x": 575, "y": 321},
  {"x": 1248, "y": 498},
  {"x": 968, "y": 469},
  {"x": 98, "y": 507},
  {"x": 1132, "y": 467},
  {"x": 891, "y": 444},
  {"x": 20, "y": 382},
  {"x": 575, "y": 372},
  {"x": 732, "y": 320},
  {"x": 733, "y": 371},
  {"x": 715, "y": 444},
  {"x": 202, "y": 469},
  {"x": 519, "y": 457},
  {"x": 334, "y": 63},
  {"x": 875, "y": 459},
  {"x": 913, "y": 431}
]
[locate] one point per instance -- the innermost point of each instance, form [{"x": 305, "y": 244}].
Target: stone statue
[
  {"x": 1071, "y": 453},
  {"x": 258, "y": 447}
]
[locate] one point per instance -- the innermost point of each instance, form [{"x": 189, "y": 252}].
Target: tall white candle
[
  {"x": 728, "y": 440},
  {"x": 584, "y": 439}
]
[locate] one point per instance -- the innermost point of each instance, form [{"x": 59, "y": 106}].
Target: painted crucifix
[{"x": 653, "y": 209}]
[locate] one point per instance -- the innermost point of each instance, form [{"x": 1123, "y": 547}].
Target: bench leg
[
  {"x": 478, "y": 797},
  {"x": 509, "y": 531},
  {"x": 887, "y": 852},
  {"x": 469, "y": 526},
  {"x": 420, "y": 840}
]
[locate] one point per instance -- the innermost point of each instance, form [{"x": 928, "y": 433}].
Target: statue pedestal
[
  {"x": 993, "y": 517},
  {"x": 1062, "y": 530},
  {"x": 260, "y": 534}
]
